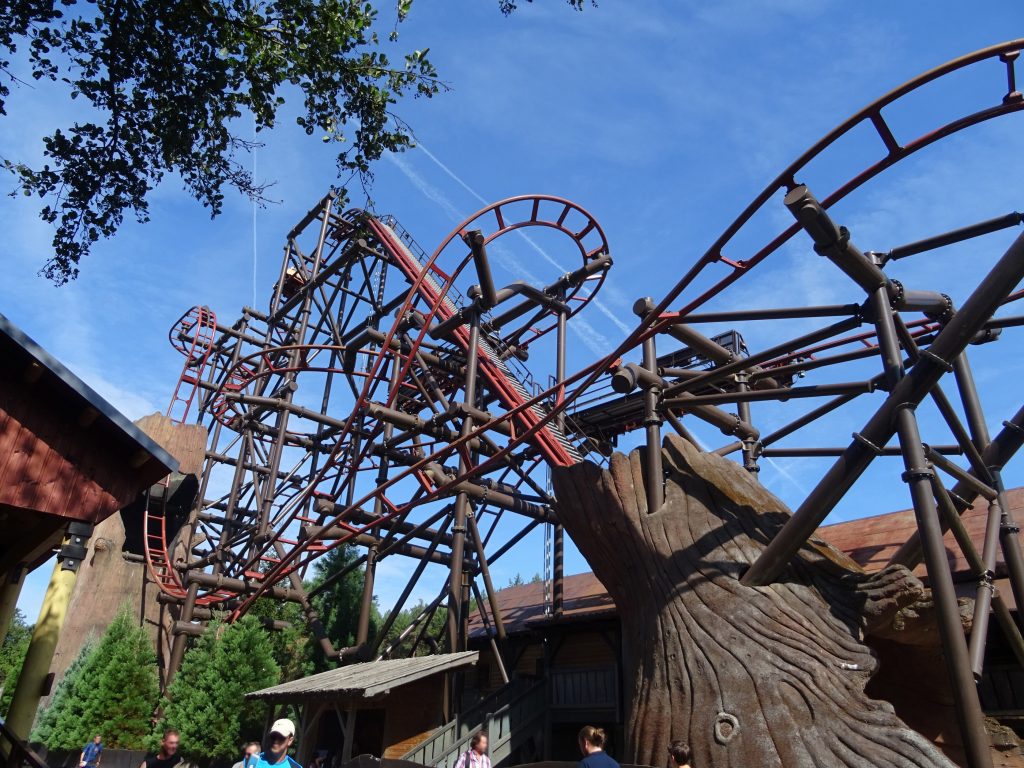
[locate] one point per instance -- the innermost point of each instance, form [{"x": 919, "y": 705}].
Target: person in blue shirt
[
  {"x": 280, "y": 739},
  {"x": 592, "y": 741},
  {"x": 91, "y": 753}
]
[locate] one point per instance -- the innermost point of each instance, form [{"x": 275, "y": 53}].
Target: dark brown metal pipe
[
  {"x": 366, "y": 608},
  {"x": 492, "y": 497},
  {"x": 712, "y": 350},
  {"x": 765, "y": 355},
  {"x": 996, "y": 455},
  {"x": 956, "y": 236},
  {"x": 475, "y": 240},
  {"x": 911, "y": 389},
  {"x": 782, "y": 313},
  {"x": 785, "y": 393},
  {"x": 833, "y": 241},
  {"x": 965, "y": 696},
  {"x": 485, "y": 572}
]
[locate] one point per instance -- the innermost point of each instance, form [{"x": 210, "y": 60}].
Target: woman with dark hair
[{"x": 592, "y": 741}]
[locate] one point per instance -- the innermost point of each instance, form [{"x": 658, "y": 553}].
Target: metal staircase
[{"x": 510, "y": 716}]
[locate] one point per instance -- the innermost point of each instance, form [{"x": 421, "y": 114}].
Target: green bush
[{"x": 206, "y": 701}]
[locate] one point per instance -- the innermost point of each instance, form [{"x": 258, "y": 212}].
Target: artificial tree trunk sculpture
[{"x": 748, "y": 676}]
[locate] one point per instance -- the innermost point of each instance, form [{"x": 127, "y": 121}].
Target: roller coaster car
[
  {"x": 293, "y": 282},
  {"x": 603, "y": 422}
]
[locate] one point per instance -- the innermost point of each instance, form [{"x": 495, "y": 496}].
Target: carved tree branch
[{"x": 765, "y": 676}]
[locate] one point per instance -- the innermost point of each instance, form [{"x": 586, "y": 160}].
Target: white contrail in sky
[
  {"x": 786, "y": 474},
  {"x": 601, "y": 306},
  {"x": 783, "y": 472}
]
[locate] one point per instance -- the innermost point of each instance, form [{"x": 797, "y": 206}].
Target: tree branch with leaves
[{"x": 168, "y": 86}]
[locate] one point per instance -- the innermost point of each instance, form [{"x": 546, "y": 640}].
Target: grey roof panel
[{"x": 366, "y": 680}]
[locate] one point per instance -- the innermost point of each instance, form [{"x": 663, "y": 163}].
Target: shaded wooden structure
[
  {"x": 66, "y": 454},
  {"x": 383, "y": 708},
  {"x": 68, "y": 461}
]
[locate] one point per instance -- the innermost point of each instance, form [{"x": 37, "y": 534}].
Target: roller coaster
[{"x": 384, "y": 399}]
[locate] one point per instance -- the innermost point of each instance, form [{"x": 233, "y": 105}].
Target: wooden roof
[
  {"x": 871, "y": 541},
  {"x": 64, "y": 450},
  {"x": 366, "y": 680},
  {"x": 584, "y": 598}
]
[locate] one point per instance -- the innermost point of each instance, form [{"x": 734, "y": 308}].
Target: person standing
[
  {"x": 680, "y": 753},
  {"x": 592, "y": 741},
  {"x": 280, "y": 738},
  {"x": 476, "y": 755},
  {"x": 250, "y": 755},
  {"x": 91, "y": 753},
  {"x": 167, "y": 756}
]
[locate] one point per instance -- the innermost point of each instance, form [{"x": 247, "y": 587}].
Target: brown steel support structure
[
  {"x": 911, "y": 389},
  {"x": 897, "y": 415},
  {"x": 1002, "y": 448}
]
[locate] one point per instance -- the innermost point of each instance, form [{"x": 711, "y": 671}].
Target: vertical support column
[
  {"x": 370, "y": 569},
  {"x": 363, "y": 627},
  {"x": 918, "y": 476},
  {"x": 457, "y": 580},
  {"x": 36, "y": 666},
  {"x": 456, "y": 640},
  {"x": 743, "y": 411},
  {"x": 558, "y": 538},
  {"x": 10, "y": 591},
  {"x": 1008, "y": 528},
  {"x": 983, "y": 598},
  {"x": 558, "y": 580},
  {"x": 180, "y": 638},
  {"x": 654, "y": 473}
]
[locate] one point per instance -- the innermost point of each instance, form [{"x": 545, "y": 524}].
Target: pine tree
[
  {"x": 45, "y": 731},
  {"x": 291, "y": 647},
  {"x": 435, "y": 629},
  {"x": 12, "y": 654},
  {"x": 70, "y": 731},
  {"x": 127, "y": 689},
  {"x": 188, "y": 706},
  {"x": 114, "y": 692},
  {"x": 206, "y": 701}
]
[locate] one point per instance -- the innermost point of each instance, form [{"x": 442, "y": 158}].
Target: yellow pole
[
  {"x": 47, "y": 631},
  {"x": 9, "y": 594}
]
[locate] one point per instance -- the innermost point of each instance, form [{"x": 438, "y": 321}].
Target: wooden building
[
  {"x": 574, "y": 658},
  {"x": 66, "y": 454},
  {"x": 382, "y": 708}
]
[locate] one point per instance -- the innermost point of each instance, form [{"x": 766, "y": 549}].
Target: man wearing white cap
[{"x": 280, "y": 739}]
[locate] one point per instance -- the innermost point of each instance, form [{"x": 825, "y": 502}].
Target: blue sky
[{"x": 662, "y": 119}]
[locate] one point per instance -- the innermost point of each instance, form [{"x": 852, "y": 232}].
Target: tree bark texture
[{"x": 748, "y": 676}]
